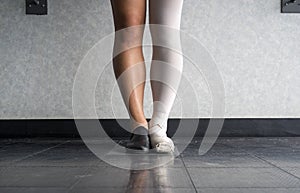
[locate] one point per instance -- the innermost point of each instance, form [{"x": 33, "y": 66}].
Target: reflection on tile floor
[{"x": 250, "y": 165}]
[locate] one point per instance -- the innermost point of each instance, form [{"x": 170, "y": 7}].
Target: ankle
[
  {"x": 135, "y": 125},
  {"x": 158, "y": 123}
]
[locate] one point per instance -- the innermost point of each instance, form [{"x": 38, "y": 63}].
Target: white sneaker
[{"x": 160, "y": 142}]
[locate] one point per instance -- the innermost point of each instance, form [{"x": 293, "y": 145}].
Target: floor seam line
[
  {"x": 36, "y": 153},
  {"x": 70, "y": 188},
  {"x": 276, "y": 166},
  {"x": 190, "y": 178}
]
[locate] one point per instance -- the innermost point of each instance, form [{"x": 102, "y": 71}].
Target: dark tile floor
[{"x": 233, "y": 165}]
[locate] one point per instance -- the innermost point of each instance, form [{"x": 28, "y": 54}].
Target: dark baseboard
[{"x": 233, "y": 127}]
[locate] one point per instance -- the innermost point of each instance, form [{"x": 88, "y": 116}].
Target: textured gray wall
[{"x": 256, "y": 49}]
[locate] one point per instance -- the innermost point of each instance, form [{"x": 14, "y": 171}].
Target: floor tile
[
  {"x": 41, "y": 176},
  {"x": 21, "y": 150},
  {"x": 265, "y": 145},
  {"x": 248, "y": 190},
  {"x": 217, "y": 148},
  {"x": 224, "y": 160},
  {"x": 281, "y": 159},
  {"x": 116, "y": 177},
  {"x": 32, "y": 190},
  {"x": 294, "y": 171},
  {"x": 242, "y": 177},
  {"x": 133, "y": 190},
  {"x": 69, "y": 154}
]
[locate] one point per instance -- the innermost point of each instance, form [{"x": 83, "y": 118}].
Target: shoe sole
[
  {"x": 137, "y": 151},
  {"x": 163, "y": 148}
]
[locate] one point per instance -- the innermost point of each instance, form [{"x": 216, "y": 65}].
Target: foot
[
  {"x": 139, "y": 140},
  {"x": 160, "y": 142}
]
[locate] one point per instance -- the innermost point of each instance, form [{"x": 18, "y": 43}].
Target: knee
[
  {"x": 130, "y": 31},
  {"x": 130, "y": 19},
  {"x": 163, "y": 36}
]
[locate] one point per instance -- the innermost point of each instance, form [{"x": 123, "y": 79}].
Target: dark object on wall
[
  {"x": 36, "y": 7},
  {"x": 290, "y": 6}
]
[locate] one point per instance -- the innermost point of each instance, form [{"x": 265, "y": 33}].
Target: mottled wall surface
[{"x": 255, "y": 47}]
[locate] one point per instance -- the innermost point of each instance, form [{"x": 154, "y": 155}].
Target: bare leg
[
  {"x": 128, "y": 13},
  {"x": 166, "y": 66}
]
